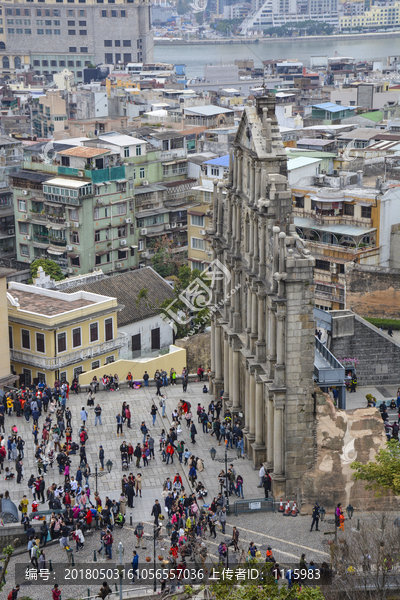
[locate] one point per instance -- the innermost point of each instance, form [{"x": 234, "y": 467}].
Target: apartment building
[
  {"x": 52, "y": 36},
  {"x": 200, "y": 216},
  {"x": 52, "y": 115},
  {"x": 345, "y": 221},
  {"x": 79, "y": 212},
  {"x": 378, "y": 15},
  {"x": 55, "y": 335}
]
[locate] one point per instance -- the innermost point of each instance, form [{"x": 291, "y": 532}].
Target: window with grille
[
  {"x": 40, "y": 342},
  {"x": 94, "y": 332},
  {"x": 61, "y": 342},
  {"x": 26, "y": 339},
  {"x": 76, "y": 337}
]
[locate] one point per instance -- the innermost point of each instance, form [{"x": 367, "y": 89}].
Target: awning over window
[{"x": 55, "y": 252}]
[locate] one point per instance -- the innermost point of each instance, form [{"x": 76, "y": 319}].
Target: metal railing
[{"x": 254, "y": 505}]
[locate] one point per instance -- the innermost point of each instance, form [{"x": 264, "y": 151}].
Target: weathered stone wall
[
  {"x": 342, "y": 437},
  {"x": 378, "y": 355},
  {"x": 373, "y": 291},
  {"x": 198, "y": 351}
]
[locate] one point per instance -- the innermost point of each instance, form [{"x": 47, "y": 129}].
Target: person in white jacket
[{"x": 79, "y": 538}]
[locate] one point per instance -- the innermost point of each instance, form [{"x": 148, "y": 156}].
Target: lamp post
[
  {"x": 121, "y": 571},
  {"x": 109, "y": 465},
  {"x": 350, "y": 511},
  {"x": 154, "y": 557},
  {"x": 139, "y": 529}
]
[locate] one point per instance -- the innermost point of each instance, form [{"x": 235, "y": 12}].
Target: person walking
[
  {"x": 163, "y": 404},
  {"x": 222, "y": 519},
  {"x": 261, "y": 474},
  {"x": 193, "y": 432},
  {"x": 140, "y": 540},
  {"x": 170, "y": 453},
  {"x": 84, "y": 416},
  {"x": 235, "y": 539},
  {"x": 153, "y": 412},
  {"x": 146, "y": 379},
  {"x": 101, "y": 457},
  {"x": 97, "y": 412},
  {"x": 119, "y": 424},
  {"x": 315, "y": 517},
  {"x": 156, "y": 512},
  {"x": 139, "y": 484}
]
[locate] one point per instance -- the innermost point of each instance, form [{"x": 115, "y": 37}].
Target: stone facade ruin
[{"x": 262, "y": 333}]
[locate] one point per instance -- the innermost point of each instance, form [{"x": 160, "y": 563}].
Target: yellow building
[
  {"x": 6, "y": 377},
  {"x": 54, "y": 335},
  {"x": 375, "y": 17}
]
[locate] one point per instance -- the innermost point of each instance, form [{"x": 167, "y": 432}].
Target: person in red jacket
[
  {"x": 56, "y": 592},
  {"x": 128, "y": 416},
  {"x": 89, "y": 518},
  {"x": 170, "y": 453}
]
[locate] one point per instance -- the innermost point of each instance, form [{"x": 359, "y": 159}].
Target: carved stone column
[
  {"x": 226, "y": 368},
  {"x": 237, "y": 315},
  {"x": 252, "y": 407},
  {"x": 254, "y": 329},
  {"x": 271, "y": 339},
  {"x": 252, "y": 183},
  {"x": 256, "y": 243},
  {"x": 235, "y": 394},
  {"x": 280, "y": 347},
  {"x": 215, "y": 205},
  {"x": 212, "y": 347},
  {"x": 257, "y": 183},
  {"x": 246, "y": 427},
  {"x": 258, "y": 446},
  {"x": 260, "y": 344},
  {"x": 262, "y": 271},
  {"x": 235, "y": 169},
  {"x": 270, "y": 433},
  {"x": 278, "y": 440},
  {"x": 218, "y": 354}
]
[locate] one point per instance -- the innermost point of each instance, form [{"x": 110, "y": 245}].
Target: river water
[{"x": 195, "y": 57}]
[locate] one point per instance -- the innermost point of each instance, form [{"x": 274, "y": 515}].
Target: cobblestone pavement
[{"x": 288, "y": 536}]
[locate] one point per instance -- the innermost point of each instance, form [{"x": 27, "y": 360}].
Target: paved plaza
[{"x": 288, "y": 536}]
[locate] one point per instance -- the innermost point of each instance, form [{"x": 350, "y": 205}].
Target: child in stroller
[{"x": 124, "y": 459}]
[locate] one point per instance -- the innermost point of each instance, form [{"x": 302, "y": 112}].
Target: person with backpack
[
  {"x": 13, "y": 595},
  {"x": 34, "y": 555},
  {"x": 315, "y": 517},
  {"x": 146, "y": 379}
]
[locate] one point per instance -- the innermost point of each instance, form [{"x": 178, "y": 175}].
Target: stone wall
[
  {"x": 373, "y": 291},
  {"x": 15, "y": 531},
  {"x": 342, "y": 437},
  {"x": 377, "y": 354},
  {"x": 198, "y": 351}
]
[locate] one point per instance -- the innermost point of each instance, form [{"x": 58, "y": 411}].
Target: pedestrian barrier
[{"x": 254, "y": 505}]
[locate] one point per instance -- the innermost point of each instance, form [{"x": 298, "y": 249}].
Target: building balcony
[
  {"x": 54, "y": 363},
  {"x": 325, "y": 219},
  {"x": 48, "y": 239}
]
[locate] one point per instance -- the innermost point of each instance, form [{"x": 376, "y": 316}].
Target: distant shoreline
[{"x": 255, "y": 40}]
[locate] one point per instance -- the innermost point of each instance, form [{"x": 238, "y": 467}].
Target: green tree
[
  {"x": 262, "y": 589},
  {"x": 199, "y": 18},
  {"x": 165, "y": 261},
  {"x": 49, "y": 267},
  {"x": 383, "y": 474},
  {"x": 188, "y": 311}
]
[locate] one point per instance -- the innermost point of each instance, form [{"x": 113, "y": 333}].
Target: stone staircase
[{"x": 378, "y": 355}]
